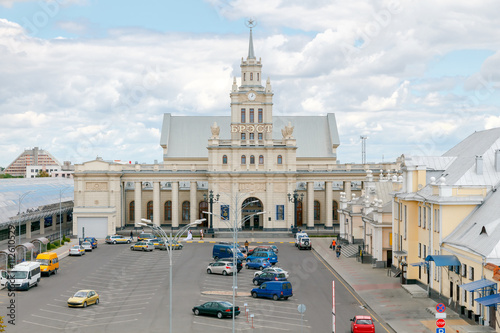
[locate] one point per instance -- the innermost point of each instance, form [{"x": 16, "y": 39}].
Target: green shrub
[
  {"x": 62, "y": 242},
  {"x": 55, "y": 243},
  {"x": 49, "y": 246},
  {"x": 66, "y": 239}
]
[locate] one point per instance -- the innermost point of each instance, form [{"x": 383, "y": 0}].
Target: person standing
[
  {"x": 131, "y": 235},
  {"x": 201, "y": 234},
  {"x": 337, "y": 251},
  {"x": 333, "y": 245},
  {"x": 246, "y": 245}
]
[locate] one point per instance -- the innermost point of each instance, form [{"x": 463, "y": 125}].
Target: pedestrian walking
[
  {"x": 332, "y": 246},
  {"x": 131, "y": 235},
  {"x": 246, "y": 245},
  {"x": 201, "y": 234},
  {"x": 338, "y": 250}
]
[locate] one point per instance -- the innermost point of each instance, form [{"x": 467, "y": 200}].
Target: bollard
[
  {"x": 251, "y": 316},
  {"x": 246, "y": 310}
]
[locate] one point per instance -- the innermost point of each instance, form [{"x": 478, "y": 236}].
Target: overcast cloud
[{"x": 416, "y": 77}]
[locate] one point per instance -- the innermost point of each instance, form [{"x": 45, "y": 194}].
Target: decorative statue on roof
[
  {"x": 215, "y": 130},
  {"x": 287, "y": 131}
]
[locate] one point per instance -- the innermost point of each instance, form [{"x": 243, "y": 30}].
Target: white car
[
  {"x": 221, "y": 267},
  {"x": 87, "y": 246},
  {"x": 272, "y": 269},
  {"x": 76, "y": 250}
]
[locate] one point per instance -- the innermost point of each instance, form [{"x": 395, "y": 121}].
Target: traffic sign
[
  {"x": 440, "y": 330},
  {"x": 440, "y": 323},
  {"x": 440, "y": 308},
  {"x": 440, "y": 315}
]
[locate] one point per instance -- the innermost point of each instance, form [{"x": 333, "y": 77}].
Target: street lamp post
[
  {"x": 211, "y": 200},
  {"x": 295, "y": 198},
  {"x": 160, "y": 232},
  {"x": 61, "y": 191},
  {"x": 235, "y": 227},
  {"x": 21, "y": 197}
]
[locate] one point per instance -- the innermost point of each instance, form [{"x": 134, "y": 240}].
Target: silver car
[
  {"x": 272, "y": 269},
  {"x": 221, "y": 267},
  {"x": 87, "y": 246}
]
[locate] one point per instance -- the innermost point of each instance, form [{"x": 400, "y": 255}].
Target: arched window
[
  {"x": 335, "y": 207},
  {"x": 317, "y": 215},
  {"x": 168, "y": 210},
  {"x": 149, "y": 210},
  {"x": 261, "y": 159},
  {"x": 243, "y": 159},
  {"x": 224, "y": 159},
  {"x": 203, "y": 207},
  {"x": 252, "y": 159},
  {"x": 243, "y": 115},
  {"x": 280, "y": 159},
  {"x": 131, "y": 211},
  {"x": 185, "y": 211}
]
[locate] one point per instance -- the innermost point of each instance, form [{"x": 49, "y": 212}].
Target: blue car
[
  {"x": 268, "y": 255},
  {"x": 258, "y": 263},
  {"x": 92, "y": 241},
  {"x": 268, "y": 276},
  {"x": 274, "y": 289}
]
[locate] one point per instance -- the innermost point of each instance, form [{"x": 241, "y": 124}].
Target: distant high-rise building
[{"x": 31, "y": 157}]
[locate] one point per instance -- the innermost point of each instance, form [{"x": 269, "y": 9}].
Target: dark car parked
[
  {"x": 216, "y": 308},
  {"x": 268, "y": 276}
]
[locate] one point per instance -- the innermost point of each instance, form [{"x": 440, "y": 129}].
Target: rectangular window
[
  {"x": 419, "y": 216},
  {"x": 471, "y": 273},
  {"x": 419, "y": 250},
  {"x": 260, "y": 120},
  {"x": 424, "y": 220},
  {"x": 260, "y": 136},
  {"x": 425, "y": 251},
  {"x": 242, "y": 115},
  {"x": 251, "y": 136},
  {"x": 280, "y": 212},
  {"x": 243, "y": 136},
  {"x": 251, "y": 116}
]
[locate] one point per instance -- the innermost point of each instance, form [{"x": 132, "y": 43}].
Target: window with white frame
[
  {"x": 419, "y": 250},
  {"x": 424, "y": 220},
  {"x": 419, "y": 216},
  {"x": 406, "y": 221}
]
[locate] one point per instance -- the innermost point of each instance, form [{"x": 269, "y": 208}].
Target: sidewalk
[{"x": 404, "y": 310}]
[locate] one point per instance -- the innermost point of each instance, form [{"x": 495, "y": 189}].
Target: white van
[
  {"x": 23, "y": 276},
  {"x": 298, "y": 236}
]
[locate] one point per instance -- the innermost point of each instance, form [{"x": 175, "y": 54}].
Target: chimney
[
  {"x": 497, "y": 160},
  {"x": 479, "y": 165}
]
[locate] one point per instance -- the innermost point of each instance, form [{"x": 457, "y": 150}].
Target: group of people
[{"x": 337, "y": 248}]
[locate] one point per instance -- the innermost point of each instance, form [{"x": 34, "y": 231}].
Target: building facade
[
  {"x": 31, "y": 157},
  {"x": 251, "y": 162}
]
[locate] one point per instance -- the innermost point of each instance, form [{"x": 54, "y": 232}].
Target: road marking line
[
  {"x": 52, "y": 327},
  {"x": 349, "y": 290}
]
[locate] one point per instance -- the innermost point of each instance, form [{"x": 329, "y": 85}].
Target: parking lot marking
[{"x": 52, "y": 327}]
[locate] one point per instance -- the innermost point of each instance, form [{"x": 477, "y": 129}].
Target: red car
[{"x": 362, "y": 324}]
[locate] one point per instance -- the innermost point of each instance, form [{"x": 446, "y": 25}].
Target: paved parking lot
[{"x": 133, "y": 288}]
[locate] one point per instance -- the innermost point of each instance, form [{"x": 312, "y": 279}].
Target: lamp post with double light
[
  {"x": 21, "y": 197},
  {"x": 295, "y": 198},
  {"x": 211, "y": 199},
  {"x": 236, "y": 224},
  {"x": 160, "y": 232}
]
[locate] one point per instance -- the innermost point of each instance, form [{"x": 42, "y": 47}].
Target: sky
[{"x": 88, "y": 78}]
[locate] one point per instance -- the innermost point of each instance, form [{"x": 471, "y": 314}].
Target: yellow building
[{"x": 445, "y": 219}]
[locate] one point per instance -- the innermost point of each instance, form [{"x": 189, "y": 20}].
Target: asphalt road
[{"x": 133, "y": 288}]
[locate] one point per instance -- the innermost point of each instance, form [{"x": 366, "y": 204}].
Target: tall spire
[{"x": 251, "y": 54}]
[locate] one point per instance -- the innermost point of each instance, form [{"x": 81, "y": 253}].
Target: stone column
[
  {"x": 310, "y": 205},
  {"x": 54, "y": 222},
  {"x": 193, "y": 207},
  {"x": 347, "y": 190},
  {"x": 137, "y": 203},
  {"x": 329, "y": 205},
  {"x": 156, "y": 203},
  {"x": 28, "y": 230},
  {"x": 42, "y": 226},
  {"x": 175, "y": 205}
]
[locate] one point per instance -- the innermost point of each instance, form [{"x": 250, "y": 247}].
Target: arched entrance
[{"x": 249, "y": 208}]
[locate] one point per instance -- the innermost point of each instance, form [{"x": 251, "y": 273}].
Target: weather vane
[{"x": 251, "y": 23}]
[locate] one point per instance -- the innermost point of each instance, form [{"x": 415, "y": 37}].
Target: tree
[{"x": 42, "y": 173}]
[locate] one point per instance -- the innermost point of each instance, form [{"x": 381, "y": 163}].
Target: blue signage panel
[
  {"x": 224, "y": 212},
  {"x": 440, "y": 330}
]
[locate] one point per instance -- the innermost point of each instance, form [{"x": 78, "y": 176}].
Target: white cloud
[{"x": 364, "y": 61}]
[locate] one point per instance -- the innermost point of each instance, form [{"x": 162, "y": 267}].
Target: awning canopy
[
  {"x": 444, "y": 260},
  {"x": 483, "y": 283},
  {"x": 418, "y": 264},
  {"x": 490, "y": 300},
  {"x": 400, "y": 253}
]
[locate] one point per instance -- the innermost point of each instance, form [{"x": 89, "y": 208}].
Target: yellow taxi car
[
  {"x": 162, "y": 245},
  {"x": 142, "y": 246},
  {"x": 82, "y": 298},
  {"x": 114, "y": 239}
]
